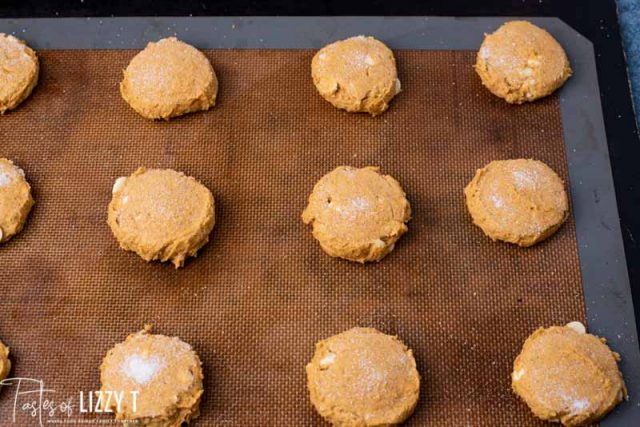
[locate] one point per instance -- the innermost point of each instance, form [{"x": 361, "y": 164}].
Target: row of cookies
[
  {"x": 363, "y": 377},
  {"x": 356, "y": 213},
  {"x": 519, "y": 62}
]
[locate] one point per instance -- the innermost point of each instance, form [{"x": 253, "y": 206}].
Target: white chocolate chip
[
  {"x": 398, "y": 86},
  {"x": 369, "y": 60},
  {"x": 20, "y": 171},
  {"x": 1, "y": 234},
  {"x": 378, "y": 243},
  {"x": 328, "y": 85},
  {"x": 117, "y": 186},
  {"x": 328, "y": 360},
  {"x": 577, "y": 326},
  {"x": 518, "y": 374}
]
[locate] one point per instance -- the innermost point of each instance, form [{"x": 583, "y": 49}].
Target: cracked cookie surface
[
  {"x": 521, "y": 62},
  {"x": 169, "y": 78},
  {"x": 357, "y": 214},
  {"x": 19, "y": 70},
  {"x": 161, "y": 214},
  {"x": 5, "y": 363},
  {"x": 519, "y": 201},
  {"x": 357, "y": 75},
  {"x": 159, "y": 378},
  {"x": 363, "y": 377},
  {"x": 15, "y": 199},
  {"x": 567, "y": 375}
]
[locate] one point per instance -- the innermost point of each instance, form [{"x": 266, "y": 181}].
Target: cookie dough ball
[
  {"x": 15, "y": 199},
  {"x": 19, "y": 70},
  {"x": 521, "y": 62},
  {"x": 5, "y": 363},
  {"x": 363, "y": 377},
  {"x": 518, "y": 201},
  {"x": 169, "y": 78},
  {"x": 161, "y": 214},
  {"x": 160, "y": 379},
  {"x": 567, "y": 375},
  {"x": 357, "y": 74},
  {"x": 357, "y": 214}
]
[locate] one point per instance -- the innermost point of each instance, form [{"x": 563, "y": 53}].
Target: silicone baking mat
[{"x": 261, "y": 293}]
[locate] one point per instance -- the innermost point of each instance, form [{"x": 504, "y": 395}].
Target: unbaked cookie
[
  {"x": 519, "y": 201},
  {"x": 566, "y": 375},
  {"x": 357, "y": 214},
  {"x": 521, "y": 62},
  {"x": 169, "y": 78},
  {"x": 161, "y": 214},
  {"x": 5, "y": 363},
  {"x": 159, "y": 378},
  {"x": 363, "y": 377},
  {"x": 357, "y": 74},
  {"x": 19, "y": 70},
  {"x": 15, "y": 199}
]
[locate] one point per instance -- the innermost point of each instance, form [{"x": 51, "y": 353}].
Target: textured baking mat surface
[{"x": 261, "y": 293}]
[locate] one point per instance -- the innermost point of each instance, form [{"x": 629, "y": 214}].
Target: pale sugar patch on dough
[
  {"x": 485, "y": 53},
  {"x": 142, "y": 370},
  {"x": 525, "y": 179},
  {"x": 360, "y": 204},
  {"x": 5, "y": 179},
  {"x": 497, "y": 201},
  {"x": 579, "y": 405}
]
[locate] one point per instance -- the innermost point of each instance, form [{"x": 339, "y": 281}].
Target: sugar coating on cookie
[
  {"x": 161, "y": 214},
  {"x": 363, "y": 377},
  {"x": 357, "y": 214},
  {"x": 520, "y": 201},
  {"x": 5, "y": 363},
  {"x": 19, "y": 69},
  {"x": 159, "y": 378},
  {"x": 169, "y": 78},
  {"x": 15, "y": 199},
  {"x": 521, "y": 62},
  {"x": 567, "y": 375},
  {"x": 357, "y": 74}
]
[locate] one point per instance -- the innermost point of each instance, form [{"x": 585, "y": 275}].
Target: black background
[{"x": 595, "y": 19}]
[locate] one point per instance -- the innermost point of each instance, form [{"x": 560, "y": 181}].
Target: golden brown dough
[
  {"x": 15, "y": 199},
  {"x": 519, "y": 201},
  {"x": 357, "y": 214},
  {"x": 363, "y": 377},
  {"x": 169, "y": 78},
  {"x": 566, "y": 375},
  {"x": 357, "y": 74},
  {"x": 161, "y": 214},
  {"x": 164, "y": 371},
  {"x": 521, "y": 62},
  {"x": 19, "y": 69},
  {"x": 5, "y": 363}
]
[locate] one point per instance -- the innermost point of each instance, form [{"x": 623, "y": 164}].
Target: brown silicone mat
[{"x": 262, "y": 292}]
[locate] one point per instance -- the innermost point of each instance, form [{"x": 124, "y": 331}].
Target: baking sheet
[{"x": 262, "y": 292}]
